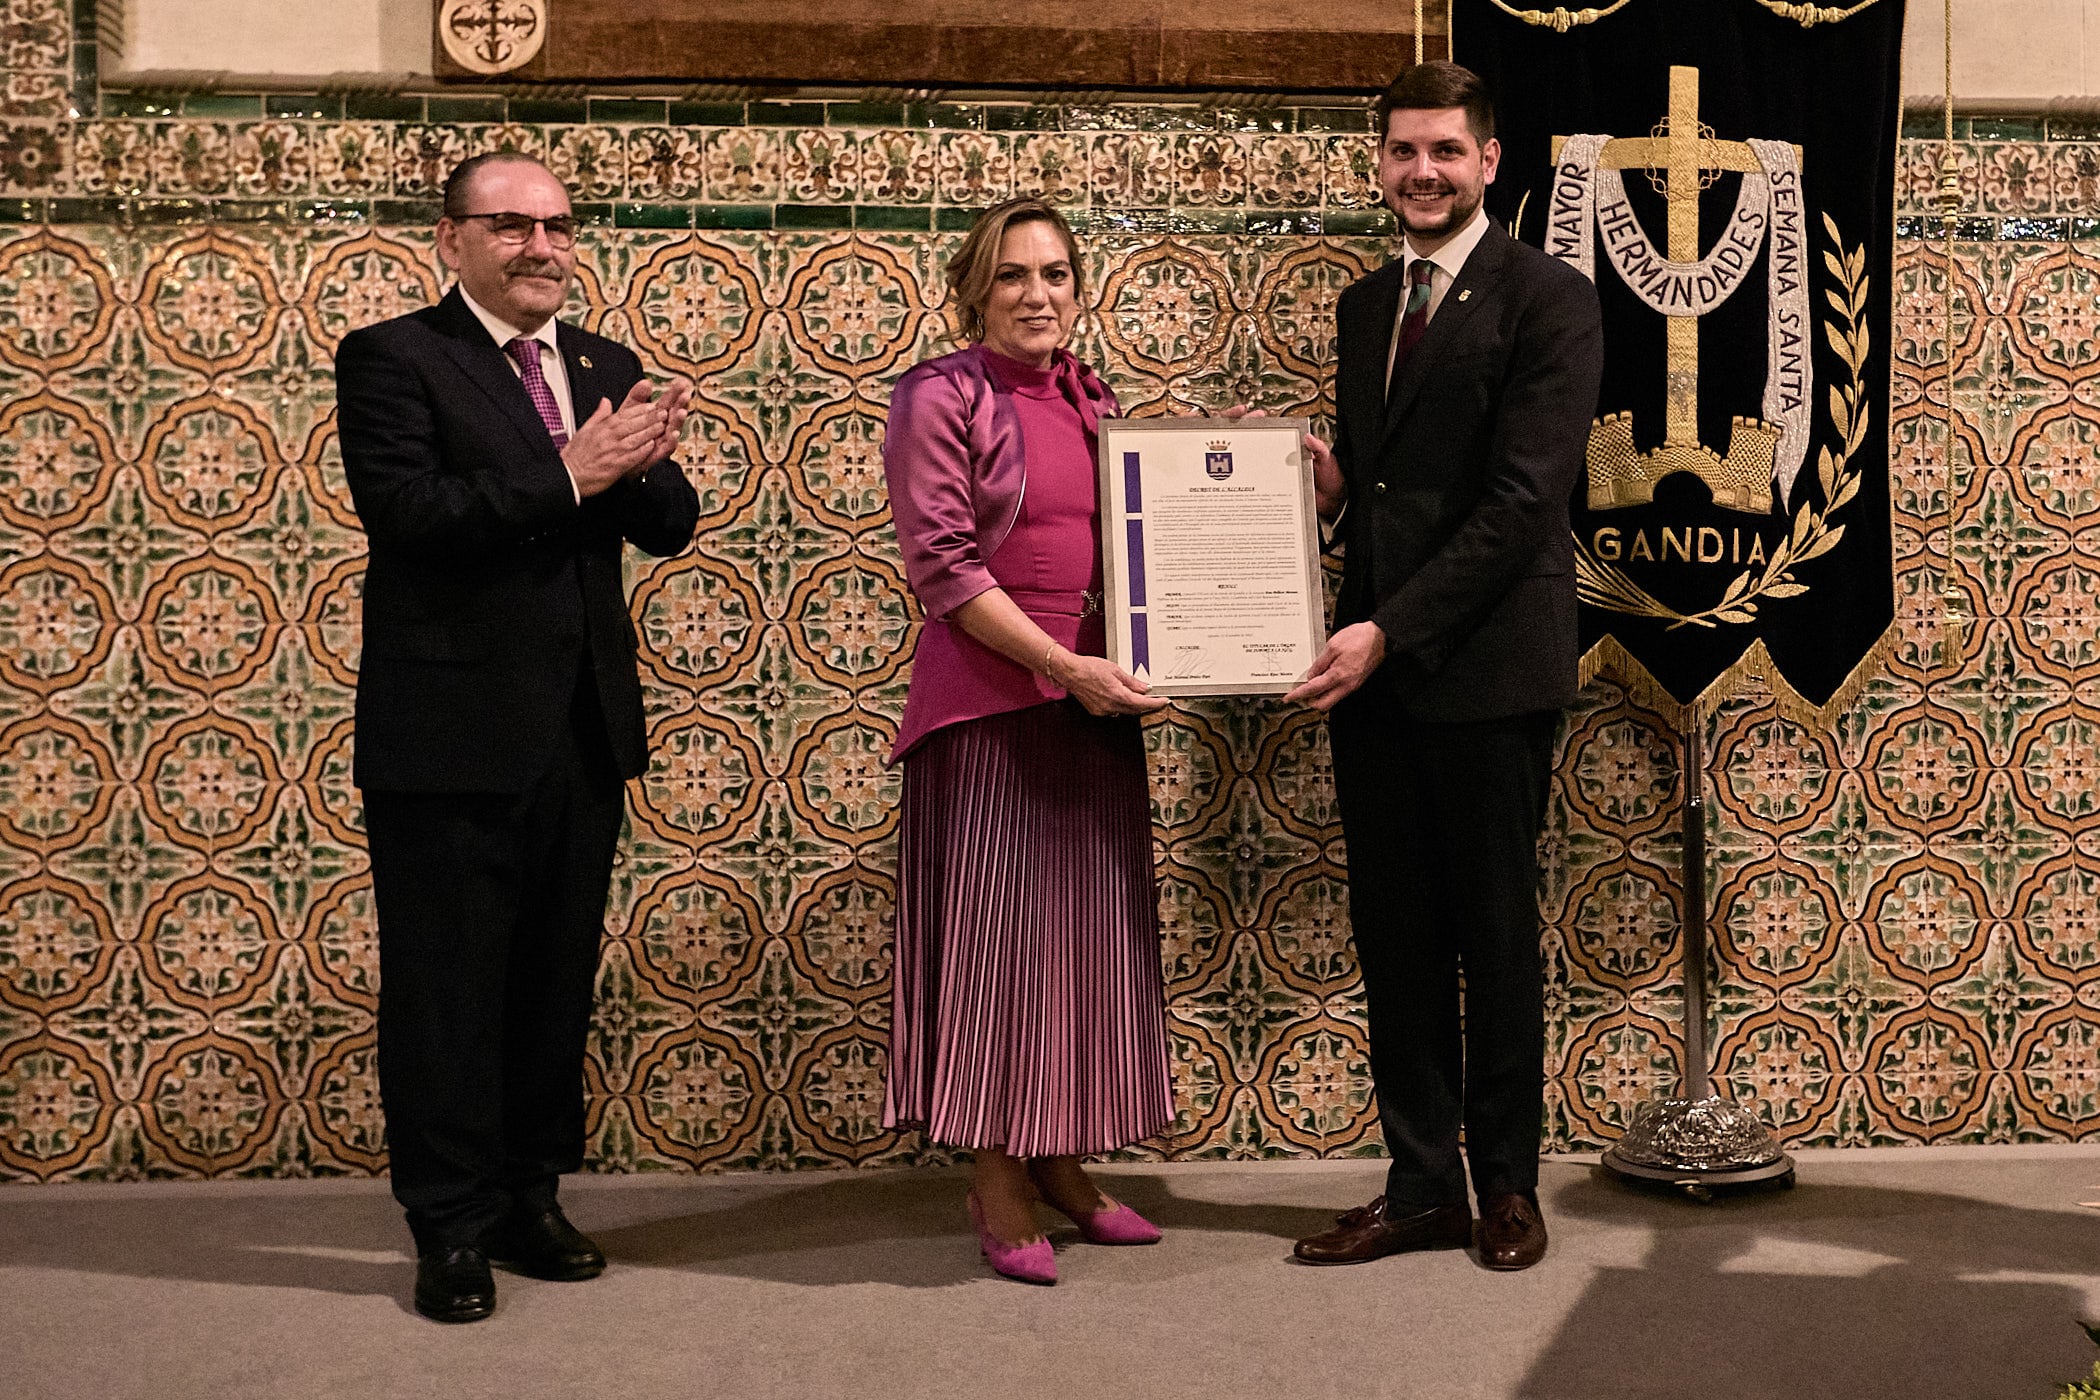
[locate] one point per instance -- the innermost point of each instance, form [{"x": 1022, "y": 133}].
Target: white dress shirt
[
  {"x": 1444, "y": 264},
  {"x": 551, "y": 364}
]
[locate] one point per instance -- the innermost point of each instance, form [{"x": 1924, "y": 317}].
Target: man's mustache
[{"x": 533, "y": 267}]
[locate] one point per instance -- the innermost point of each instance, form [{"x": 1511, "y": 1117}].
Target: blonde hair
[{"x": 976, "y": 263}]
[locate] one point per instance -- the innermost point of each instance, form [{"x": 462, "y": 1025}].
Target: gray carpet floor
[{"x": 1958, "y": 1273}]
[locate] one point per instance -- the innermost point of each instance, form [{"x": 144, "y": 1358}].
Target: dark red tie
[
  {"x": 1414, "y": 319},
  {"x": 526, "y": 352}
]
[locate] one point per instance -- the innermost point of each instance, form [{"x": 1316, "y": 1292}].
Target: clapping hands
[{"x": 616, "y": 443}]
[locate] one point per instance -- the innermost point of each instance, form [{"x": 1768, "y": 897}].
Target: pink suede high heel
[
  {"x": 1029, "y": 1263},
  {"x": 1118, "y": 1224}
]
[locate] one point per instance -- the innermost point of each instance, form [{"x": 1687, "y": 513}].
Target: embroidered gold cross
[{"x": 1683, "y": 151}]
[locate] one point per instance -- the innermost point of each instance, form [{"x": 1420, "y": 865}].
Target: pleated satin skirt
[{"x": 1029, "y": 1013}]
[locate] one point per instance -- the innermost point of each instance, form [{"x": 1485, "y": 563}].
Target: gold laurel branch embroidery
[
  {"x": 1606, "y": 586},
  {"x": 1560, "y": 19},
  {"x": 1809, "y": 16}
]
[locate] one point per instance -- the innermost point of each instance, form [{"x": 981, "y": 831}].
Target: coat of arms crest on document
[{"x": 1217, "y": 460}]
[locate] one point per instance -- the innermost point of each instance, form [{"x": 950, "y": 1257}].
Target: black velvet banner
[{"x": 1725, "y": 173}]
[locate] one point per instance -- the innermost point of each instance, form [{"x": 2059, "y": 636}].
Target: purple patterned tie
[{"x": 526, "y": 353}]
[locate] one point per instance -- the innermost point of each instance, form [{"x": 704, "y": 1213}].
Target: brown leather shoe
[
  {"x": 1370, "y": 1232},
  {"x": 1512, "y": 1233}
]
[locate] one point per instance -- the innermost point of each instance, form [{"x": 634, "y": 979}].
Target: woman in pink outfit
[{"x": 1029, "y": 1022}]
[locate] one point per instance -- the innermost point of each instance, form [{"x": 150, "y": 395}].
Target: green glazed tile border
[
  {"x": 596, "y": 131},
  {"x": 945, "y": 116},
  {"x": 633, "y": 110},
  {"x": 88, "y": 211},
  {"x": 551, "y": 110},
  {"x": 733, "y": 216},
  {"x": 250, "y": 211},
  {"x": 172, "y": 211},
  {"x": 812, "y": 216},
  {"x": 381, "y": 107},
  {"x": 1207, "y": 221},
  {"x": 783, "y": 114},
  {"x": 304, "y": 108},
  {"x": 1339, "y": 119},
  {"x": 464, "y": 109},
  {"x": 140, "y": 104},
  {"x": 2004, "y": 129},
  {"x": 1020, "y": 116},
  {"x": 223, "y": 106},
  {"x": 87, "y": 78},
  {"x": 1289, "y": 225},
  {"x": 653, "y": 215},
  {"x": 333, "y": 211},
  {"x": 862, "y": 114},
  {"x": 415, "y": 211},
  {"x": 706, "y": 114},
  {"x": 902, "y": 218},
  {"x": 1357, "y": 221}
]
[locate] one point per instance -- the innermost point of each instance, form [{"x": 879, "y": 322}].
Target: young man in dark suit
[
  {"x": 498, "y": 461},
  {"x": 1467, "y": 377}
]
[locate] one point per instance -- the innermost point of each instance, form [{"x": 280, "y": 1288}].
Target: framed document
[{"x": 1210, "y": 553}]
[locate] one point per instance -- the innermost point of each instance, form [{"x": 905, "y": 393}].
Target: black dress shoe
[
  {"x": 454, "y": 1285},
  {"x": 1512, "y": 1233},
  {"x": 1374, "y": 1231},
  {"x": 543, "y": 1244}
]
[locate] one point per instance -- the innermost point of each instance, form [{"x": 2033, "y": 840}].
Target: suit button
[{"x": 1381, "y": 486}]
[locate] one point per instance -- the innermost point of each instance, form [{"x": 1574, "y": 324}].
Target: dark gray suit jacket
[
  {"x": 489, "y": 588},
  {"x": 1456, "y": 536}
]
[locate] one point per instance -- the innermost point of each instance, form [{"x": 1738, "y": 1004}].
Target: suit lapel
[
  {"x": 1448, "y": 328},
  {"x": 586, "y": 376},
  {"x": 1363, "y": 395},
  {"x": 486, "y": 365}
]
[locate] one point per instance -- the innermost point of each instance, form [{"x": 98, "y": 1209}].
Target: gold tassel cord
[
  {"x": 1560, "y": 19},
  {"x": 1954, "y": 602},
  {"x": 1810, "y": 15}
]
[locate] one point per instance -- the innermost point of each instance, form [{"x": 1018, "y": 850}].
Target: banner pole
[
  {"x": 1698, "y": 1082},
  {"x": 1699, "y": 1142}
]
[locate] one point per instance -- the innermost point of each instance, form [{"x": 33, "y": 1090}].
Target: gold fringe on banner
[{"x": 1751, "y": 674}]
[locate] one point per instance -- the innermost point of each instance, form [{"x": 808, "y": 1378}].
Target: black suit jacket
[
  {"x": 1456, "y": 535},
  {"x": 488, "y": 589}
]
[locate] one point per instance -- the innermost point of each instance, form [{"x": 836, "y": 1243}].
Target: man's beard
[{"x": 1461, "y": 214}]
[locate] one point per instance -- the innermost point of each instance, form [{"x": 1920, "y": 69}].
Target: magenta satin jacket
[{"x": 953, "y": 457}]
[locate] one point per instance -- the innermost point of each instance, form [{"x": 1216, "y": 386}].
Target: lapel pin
[
  {"x": 584, "y": 360},
  {"x": 1461, "y": 296}
]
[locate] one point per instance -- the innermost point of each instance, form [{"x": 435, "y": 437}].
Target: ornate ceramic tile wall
[{"x": 1908, "y": 906}]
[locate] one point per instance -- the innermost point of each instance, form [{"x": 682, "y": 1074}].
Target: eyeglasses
[{"x": 517, "y": 228}]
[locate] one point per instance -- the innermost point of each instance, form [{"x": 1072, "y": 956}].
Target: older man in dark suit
[
  {"x": 1468, "y": 374},
  {"x": 498, "y": 460}
]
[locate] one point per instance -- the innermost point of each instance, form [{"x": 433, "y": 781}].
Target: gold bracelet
[{"x": 1043, "y": 667}]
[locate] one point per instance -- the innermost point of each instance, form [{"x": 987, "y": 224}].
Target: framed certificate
[{"x": 1210, "y": 553}]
